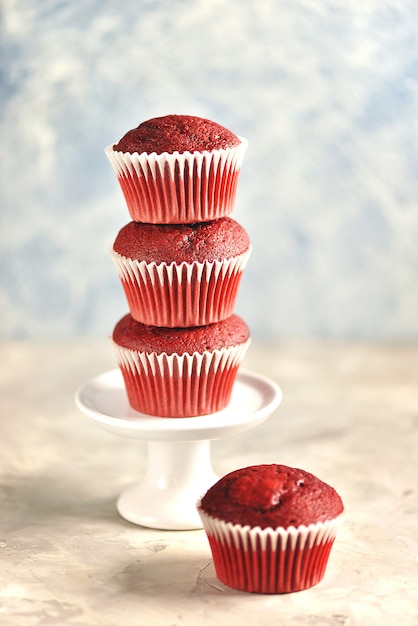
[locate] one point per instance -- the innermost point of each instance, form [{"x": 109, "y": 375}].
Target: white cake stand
[{"x": 179, "y": 468}]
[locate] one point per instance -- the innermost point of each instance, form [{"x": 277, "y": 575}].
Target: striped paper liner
[
  {"x": 280, "y": 560},
  {"x": 186, "y": 385},
  {"x": 179, "y": 188},
  {"x": 180, "y": 295}
]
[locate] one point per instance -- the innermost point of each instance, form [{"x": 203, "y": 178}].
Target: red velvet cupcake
[
  {"x": 180, "y": 372},
  {"x": 181, "y": 275},
  {"x": 270, "y": 528},
  {"x": 178, "y": 169}
]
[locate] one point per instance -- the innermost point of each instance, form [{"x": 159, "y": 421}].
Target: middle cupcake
[{"x": 181, "y": 275}]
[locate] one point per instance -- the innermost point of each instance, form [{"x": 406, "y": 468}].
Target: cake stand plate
[{"x": 179, "y": 468}]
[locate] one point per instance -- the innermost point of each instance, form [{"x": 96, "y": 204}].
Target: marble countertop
[{"x": 349, "y": 415}]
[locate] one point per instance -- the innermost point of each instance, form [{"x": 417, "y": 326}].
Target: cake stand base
[
  {"x": 176, "y": 476},
  {"x": 179, "y": 468}
]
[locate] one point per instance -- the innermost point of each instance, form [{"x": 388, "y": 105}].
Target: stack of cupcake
[{"x": 180, "y": 261}]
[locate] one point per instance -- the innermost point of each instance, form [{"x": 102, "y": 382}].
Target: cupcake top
[
  {"x": 177, "y": 133},
  {"x": 136, "y": 336},
  {"x": 271, "y": 496},
  {"x": 166, "y": 243}
]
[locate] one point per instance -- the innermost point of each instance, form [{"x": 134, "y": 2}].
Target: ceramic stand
[{"x": 179, "y": 468}]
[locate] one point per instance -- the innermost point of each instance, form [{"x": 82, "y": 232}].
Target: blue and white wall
[{"x": 326, "y": 92}]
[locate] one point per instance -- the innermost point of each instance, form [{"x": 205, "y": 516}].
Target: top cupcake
[
  {"x": 177, "y": 133},
  {"x": 178, "y": 169},
  {"x": 272, "y": 496}
]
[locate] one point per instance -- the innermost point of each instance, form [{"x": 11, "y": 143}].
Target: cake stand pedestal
[{"x": 179, "y": 468}]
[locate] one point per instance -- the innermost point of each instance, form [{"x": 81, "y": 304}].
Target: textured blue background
[{"x": 325, "y": 91}]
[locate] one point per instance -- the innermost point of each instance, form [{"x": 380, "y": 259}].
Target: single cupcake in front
[{"x": 270, "y": 528}]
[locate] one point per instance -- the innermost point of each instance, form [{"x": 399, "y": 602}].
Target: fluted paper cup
[
  {"x": 186, "y": 385},
  {"x": 180, "y": 295},
  {"x": 179, "y": 188},
  {"x": 280, "y": 560}
]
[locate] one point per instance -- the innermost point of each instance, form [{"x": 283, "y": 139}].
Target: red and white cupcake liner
[
  {"x": 179, "y": 188},
  {"x": 180, "y": 295},
  {"x": 268, "y": 560},
  {"x": 186, "y": 385}
]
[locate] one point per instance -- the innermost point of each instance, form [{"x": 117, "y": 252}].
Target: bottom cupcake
[
  {"x": 180, "y": 372},
  {"x": 270, "y": 528}
]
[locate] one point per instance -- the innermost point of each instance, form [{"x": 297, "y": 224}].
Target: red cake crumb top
[
  {"x": 166, "y": 243},
  {"x": 176, "y": 133},
  {"x": 271, "y": 496},
  {"x": 133, "y": 335}
]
